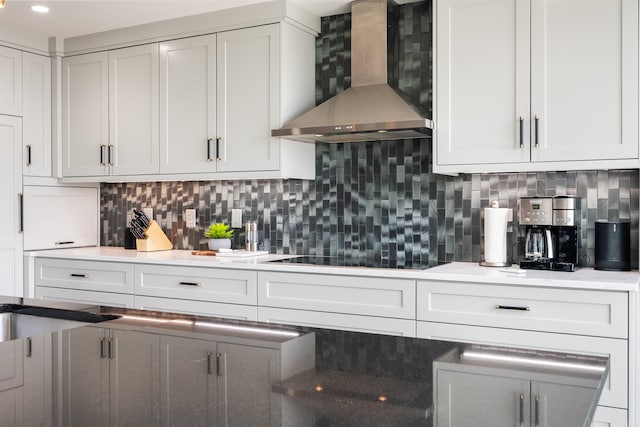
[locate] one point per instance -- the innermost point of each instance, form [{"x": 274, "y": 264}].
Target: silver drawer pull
[
  {"x": 66, "y": 242},
  {"x": 190, "y": 283},
  {"x": 83, "y": 276},
  {"x": 513, "y": 307}
]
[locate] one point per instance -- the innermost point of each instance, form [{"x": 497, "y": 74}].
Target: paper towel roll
[{"x": 495, "y": 234}]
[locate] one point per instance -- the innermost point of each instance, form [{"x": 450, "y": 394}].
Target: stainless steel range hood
[{"x": 370, "y": 109}]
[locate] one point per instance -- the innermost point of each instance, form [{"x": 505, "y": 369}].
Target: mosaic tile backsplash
[{"x": 377, "y": 199}]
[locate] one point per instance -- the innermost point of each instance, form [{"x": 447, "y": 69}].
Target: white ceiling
[{"x": 69, "y": 18}]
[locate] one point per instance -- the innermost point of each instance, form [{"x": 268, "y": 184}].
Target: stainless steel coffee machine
[{"x": 551, "y": 232}]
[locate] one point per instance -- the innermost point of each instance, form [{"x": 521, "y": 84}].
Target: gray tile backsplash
[{"x": 376, "y": 199}]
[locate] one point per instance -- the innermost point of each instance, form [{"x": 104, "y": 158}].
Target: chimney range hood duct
[{"x": 370, "y": 109}]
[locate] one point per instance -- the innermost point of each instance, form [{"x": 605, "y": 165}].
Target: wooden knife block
[{"x": 156, "y": 240}]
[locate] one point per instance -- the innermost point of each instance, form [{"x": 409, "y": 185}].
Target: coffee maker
[{"x": 551, "y": 232}]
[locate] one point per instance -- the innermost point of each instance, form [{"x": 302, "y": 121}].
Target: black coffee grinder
[{"x": 551, "y": 232}]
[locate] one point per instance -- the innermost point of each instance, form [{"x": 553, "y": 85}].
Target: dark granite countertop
[{"x": 315, "y": 377}]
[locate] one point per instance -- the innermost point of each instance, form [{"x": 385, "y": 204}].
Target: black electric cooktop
[{"x": 359, "y": 262}]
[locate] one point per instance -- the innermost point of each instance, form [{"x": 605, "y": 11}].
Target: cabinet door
[
  {"x": 464, "y": 399},
  {"x": 188, "y": 382},
  {"x": 584, "y": 79},
  {"x": 133, "y": 110},
  {"x": 248, "y": 98},
  {"x": 10, "y": 206},
  {"x": 244, "y": 385},
  {"x": 36, "y": 90},
  {"x": 38, "y": 381},
  {"x": 134, "y": 379},
  {"x": 188, "y": 105},
  {"x": 11, "y": 367},
  {"x": 11, "y": 408},
  {"x": 74, "y": 209},
  {"x": 482, "y": 72},
  {"x": 85, "y": 377},
  {"x": 555, "y": 404},
  {"x": 85, "y": 111},
  {"x": 11, "y": 82}
]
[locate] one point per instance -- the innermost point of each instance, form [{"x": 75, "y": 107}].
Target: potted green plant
[{"x": 219, "y": 235}]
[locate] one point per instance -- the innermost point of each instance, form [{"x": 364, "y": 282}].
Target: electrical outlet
[
  {"x": 190, "y": 217},
  {"x": 236, "y": 218},
  {"x": 148, "y": 212}
]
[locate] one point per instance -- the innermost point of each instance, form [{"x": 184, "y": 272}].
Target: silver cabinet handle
[
  {"x": 82, "y": 276},
  {"x": 102, "y": 148},
  {"x": 190, "y": 283},
  {"x": 209, "y": 158},
  {"x": 209, "y": 357},
  {"x": 103, "y": 348},
  {"x": 521, "y": 132},
  {"x": 110, "y": 154},
  {"x": 218, "y": 139},
  {"x": 21, "y": 207},
  {"x": 513, "y": 307},
  {"x": 537, "y": 412},
  {"x": 521, "y": 409},
  {"x": 537, "y": 120},
  {"x": 29, "y": 347},
  {"x": 218, "y": 364},
  {"x": 111, "y": 349},
  {"x": 28, "y": 154},
  {"x": 65, "y": 242}
]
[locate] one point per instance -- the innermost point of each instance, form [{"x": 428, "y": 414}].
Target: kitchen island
[
  {"x": 584, "y": 312},
  {"x": 159, "y": 368}
]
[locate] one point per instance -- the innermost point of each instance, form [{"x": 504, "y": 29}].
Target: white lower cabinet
[
  {"x": 84, "y": 297},
  {"x": 197, "y": 283},
  {"x": 614, "y": 393},
  {"x": 110, "y": 377},
  {"x": 465, "y": 399},
  {"x": 345, "y": 322},
  {"x": 209, "y": 383},
  {"x": 368, "y": 296},
  {"x": 11, "y": 408},
  {"x": 199, "y": 308},
  {"x": 38, "y": 381}
]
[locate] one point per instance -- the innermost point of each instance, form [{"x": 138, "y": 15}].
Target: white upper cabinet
[
  {"x": 36, "y": 94},
  {"x": 248, "y": 99},
  {"x": 11, "y": 81},
  {"x": 584, "y": 79},
  {"x": 535, "y": 85},
  {"x": 188, "y": 105},
  {"x": 85, "y": 123},
  {"x": 482, "y": 81},
  {"x": 198, "y": 107},
  {"x": 133, "y": 110}
]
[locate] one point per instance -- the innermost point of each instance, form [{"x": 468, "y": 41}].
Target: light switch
[
  {"x": 190, "y": 217},
  {"x": 236, "y": 218}
]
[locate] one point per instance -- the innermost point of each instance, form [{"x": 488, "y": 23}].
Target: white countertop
[{"x": 583, "y": 278}]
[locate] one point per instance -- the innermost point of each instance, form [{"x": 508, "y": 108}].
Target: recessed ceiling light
[
  {"x": 40, "y": 8},
  {"x": 1, "y": 4}
]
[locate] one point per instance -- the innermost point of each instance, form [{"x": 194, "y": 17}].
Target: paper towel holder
[{"x": 506, "y": 214}]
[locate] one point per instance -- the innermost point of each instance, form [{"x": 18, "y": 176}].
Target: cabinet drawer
[
  {"x": 582, "y": 312},
  {"x": 338, "y": 294},
  {"x": 84, "y": 275},
  {"x": 205, "y": 284},
  {"x": 84, "y": 297},
  {"x": 343, "y": 322},
  {"x": 615, "y": 390},
  {"x": 198, "y": 308}
]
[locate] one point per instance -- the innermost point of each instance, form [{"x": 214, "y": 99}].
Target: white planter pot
[{"x": 215, "y": 244}]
